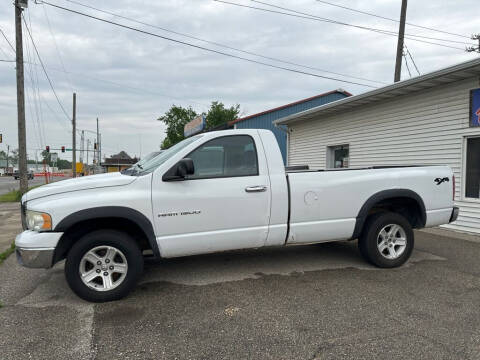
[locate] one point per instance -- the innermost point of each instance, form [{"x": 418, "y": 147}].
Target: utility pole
[
  {"x": 8, "y": 154},
  {"x": 74, "y": 138},
  {"x": 401, "y": 33},
  {"x": 98, "y": 145},
  {"x": 22, "y": 142},
  {"x": 100, "y": 148},
  {"x": 88, "y": 149},
  {"x": 82, "y": 145}
]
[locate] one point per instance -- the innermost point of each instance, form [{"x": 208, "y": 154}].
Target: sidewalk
[{"x": 10, "y": 224}]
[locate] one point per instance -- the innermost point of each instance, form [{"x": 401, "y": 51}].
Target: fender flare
[
  {"x": 384, "y": 195},
  {"x": 112, "y": 212}
]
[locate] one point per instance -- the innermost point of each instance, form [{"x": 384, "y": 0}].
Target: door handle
[{"x": 256, "y": 188}]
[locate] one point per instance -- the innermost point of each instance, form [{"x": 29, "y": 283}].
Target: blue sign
[
  {"x": 475, "y": 107},
  {"x": 195, "y": 126}
]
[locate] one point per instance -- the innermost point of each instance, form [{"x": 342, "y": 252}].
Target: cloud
[{"x": 128, "y": 79}]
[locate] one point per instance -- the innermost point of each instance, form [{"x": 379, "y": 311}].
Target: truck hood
[{"x": 81, "y": 183}]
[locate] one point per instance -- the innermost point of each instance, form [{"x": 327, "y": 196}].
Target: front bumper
[
  {"x": 35, "y": 258},
  {"x": 454, "y": 215},
  {"x": 36, "y": 249}
]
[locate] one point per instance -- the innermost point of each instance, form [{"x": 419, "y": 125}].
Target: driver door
[{"x": 224, "y": 205}]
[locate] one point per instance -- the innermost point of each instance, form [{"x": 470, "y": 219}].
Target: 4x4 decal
[{"x": 441, "y": 180}]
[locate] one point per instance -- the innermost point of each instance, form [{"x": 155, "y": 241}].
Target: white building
[{"x": 430, "y": 119}]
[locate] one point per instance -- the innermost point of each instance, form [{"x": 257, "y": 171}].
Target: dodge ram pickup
[{"x": 222, "y": 191}]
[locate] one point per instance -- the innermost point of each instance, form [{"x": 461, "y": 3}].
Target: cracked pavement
[{"x": 307, "y": 302}]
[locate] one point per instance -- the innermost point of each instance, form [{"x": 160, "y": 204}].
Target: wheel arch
[
  {"x": 392, "y": 197},
  {"x": 82, "y": 222}
]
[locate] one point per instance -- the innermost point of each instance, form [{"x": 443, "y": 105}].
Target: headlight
[{"x": 38, "y": 221}]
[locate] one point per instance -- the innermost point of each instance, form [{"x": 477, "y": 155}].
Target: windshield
[
  {"x": 147, "y": 158},
  {"x": 151, "y": 164}
]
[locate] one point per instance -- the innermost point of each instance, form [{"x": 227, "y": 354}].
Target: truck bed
[{"x": 325, "y": 204}]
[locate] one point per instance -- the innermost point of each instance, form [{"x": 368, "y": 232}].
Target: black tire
[
  {"x": 368, "y": 241},
  {"x": 116, "y": 239}
]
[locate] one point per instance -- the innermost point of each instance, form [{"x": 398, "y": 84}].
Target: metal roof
[
  {"x": 341, "y": 91},
  {"x": 447, "y": 75}
]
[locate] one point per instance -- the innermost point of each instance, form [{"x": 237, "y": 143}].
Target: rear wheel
[
  {"x": 103, "y": 265},
  {"x": 387, "y": 240}
]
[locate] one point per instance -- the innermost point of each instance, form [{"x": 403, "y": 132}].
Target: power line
[
  {"x": 36, "y": 90},
  {"x": 394, "y": 33},
  {"x": 390, "y": 19},
  {"x": 317, "y": 18},
  {"x": 31, "y": 97},
  {"x": 205, "y": 48},
  {"x": 219, "y": 44},
  {"x": 62, "y": 123},
  {"x": 123, "y": 86},
  {"x": 45, "y": 71},
  {"x": 56, "y": 47},
  {"x": 411, "y": 58},
  {"x": 406, "y": 63},
  {"x": 8, "y": 41},
  {"x": 3, "y": 52}
]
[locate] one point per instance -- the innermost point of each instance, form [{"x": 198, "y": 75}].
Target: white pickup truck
[{"x": 221, "y": 191}]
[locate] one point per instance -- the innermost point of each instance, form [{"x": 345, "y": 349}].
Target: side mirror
[{"x": 180, "y": 170}]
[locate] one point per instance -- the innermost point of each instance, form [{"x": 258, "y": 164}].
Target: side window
[
  {"x": 337, "y": 156},
  {"x": 226, "y": 156}
]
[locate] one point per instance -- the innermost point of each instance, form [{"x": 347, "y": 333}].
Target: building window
[
  {"x": 337, "y": 156},
  {"x": 472, "y": 171}
]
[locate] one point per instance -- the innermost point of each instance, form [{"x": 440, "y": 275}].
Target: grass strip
[
  {"x": 14, "y": 196},
  {"x": 4, "y": 255}
]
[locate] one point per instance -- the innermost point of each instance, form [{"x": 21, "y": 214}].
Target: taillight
[{"x": 453, "y": 188}]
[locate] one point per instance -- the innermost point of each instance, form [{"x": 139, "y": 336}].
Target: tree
[
  {"x": 218, "y": 114},
  {"x": 175, "y": 120},
  {"x": 61, "y": 163},
  {"x": 46, "y": 156},
  {"x": 14, "y": 156},
  {"x": 64, "y": 164}
]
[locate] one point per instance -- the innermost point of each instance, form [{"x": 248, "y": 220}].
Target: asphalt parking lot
[{"x": 308, "y": 302}]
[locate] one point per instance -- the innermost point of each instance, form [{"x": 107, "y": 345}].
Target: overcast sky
[{"x": 128, "y": 79}]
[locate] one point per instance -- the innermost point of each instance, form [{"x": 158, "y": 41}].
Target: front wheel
[
  {"x": 103, "y": 265},
  {"x": 387, "y": 240}
]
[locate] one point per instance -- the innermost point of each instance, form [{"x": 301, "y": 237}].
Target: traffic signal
[
  {"x": 94, "y": 146},
  {"x": 1, "y": 138},
  {"x": 48, "y": 148},
  {"x": 63, "y": 148}
]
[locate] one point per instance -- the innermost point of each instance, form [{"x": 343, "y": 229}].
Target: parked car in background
[
  {"x": 222, "y": 191},
  {"x": 30, "y": 175}
]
